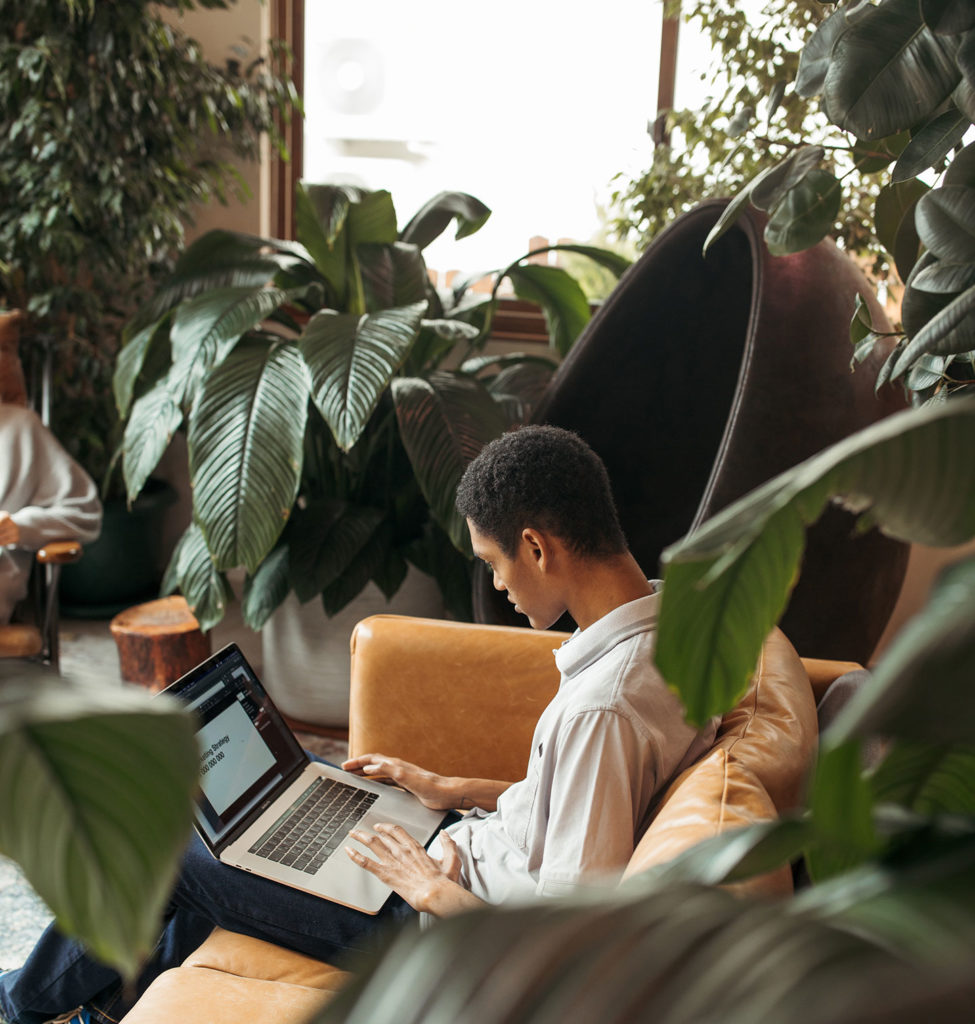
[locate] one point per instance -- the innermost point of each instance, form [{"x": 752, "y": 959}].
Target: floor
[{"x": 88, "y": 654}]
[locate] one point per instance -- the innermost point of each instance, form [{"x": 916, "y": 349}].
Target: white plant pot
[{"x": 305, "y": 654}]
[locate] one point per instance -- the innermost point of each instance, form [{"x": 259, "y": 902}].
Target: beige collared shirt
[{"x": 609, "y": 740}]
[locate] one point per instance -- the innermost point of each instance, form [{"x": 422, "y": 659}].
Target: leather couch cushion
[
  {"x": 773, "y": 729},
  {"x": 236, "y": 978},
  {"x": 714, "y": 795}
]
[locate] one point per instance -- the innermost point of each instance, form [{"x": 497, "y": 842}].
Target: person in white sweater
[{"x": 44, "y": 496}]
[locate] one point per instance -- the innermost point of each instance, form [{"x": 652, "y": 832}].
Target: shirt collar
[{"x": 588, "y": 645}]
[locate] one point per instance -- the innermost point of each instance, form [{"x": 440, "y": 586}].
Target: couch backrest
[{"x": 755, "y": 770}]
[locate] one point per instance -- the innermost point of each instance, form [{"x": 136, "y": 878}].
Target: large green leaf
[
  {"x": 841, "y": 802},
  {"x": 154, "y": 419},
  {"x": 686, "y": 954},
  {"x": 352, "y": 360},
  {"x": 267, "y": 589},
  {"x": 324, "y": 539},
  {"x": 204, "y": 328},
  {"x": 805, "y": 214},
  {"x": 96, "y": 786},
  {"x": 245, "y": 443},
  {"x": 926, "y": 669},
  {"x": 392, "y": 275},
  {"x": 433, "y": 217},
  {"x": 223, "y": 259},
  {"x": 131, "y": 360},
  {"x": 735, "y": 208},
  {"x": 444, "y": 421},
  {"x": 927, "y": 778},
  {"x": 888, "y": 71},
  {"x": 728, "y": 582},
  {"x": 320, "y": 213},
  {"x": 562, "y": 300},
  {"x": 191, "y": 571}
]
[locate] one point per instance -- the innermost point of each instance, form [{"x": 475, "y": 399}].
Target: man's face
[{"x": 522, "y": 576}]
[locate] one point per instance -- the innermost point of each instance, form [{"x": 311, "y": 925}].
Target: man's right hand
[
  {"x": 437, "y": 792},
  {"x": 9, "y": 530},
  {"x": 433, "y": 791}
]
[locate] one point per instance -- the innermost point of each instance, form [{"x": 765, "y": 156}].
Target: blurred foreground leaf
[{"x": 96, "y": 786}]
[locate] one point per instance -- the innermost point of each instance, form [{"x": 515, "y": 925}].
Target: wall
[{"x": 247, "y": 23}]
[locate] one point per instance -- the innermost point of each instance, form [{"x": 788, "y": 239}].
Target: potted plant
[
  {"x": 331, "y": 397},
  {"x": 115, "y": 125}
]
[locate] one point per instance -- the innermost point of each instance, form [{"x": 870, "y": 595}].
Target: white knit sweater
[{"x": 46, "y": 492}]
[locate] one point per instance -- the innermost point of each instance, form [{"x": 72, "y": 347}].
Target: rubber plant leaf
[
  {"x": 893, "y": 216},
  {"x": 735, "y": 208},
  {"x": 245, "y": 442},
  {"x": 352, "y": 360},
  {"x": 805, "y": 214},
  {"x": 191, "y": 572},
  {"x": 97, "y": 787},
  {"x": 815, "y": 55},
  {"x": 888, "y": 71},
  {"x": 563, "y": 301},
  {"x": 445, "y": 420},
  {"x": 154, "y": 419},
  {"x": 431, "y": 220},
  {"x": 946, "y": 222},
  {"x": 948, "y": 17},
  {"x": 945, "y": 278},
  {"x": 784, "y": 176},
  {"x": 926, "y": 668},
  {"x": 931, "y": 144},
  {"x": 727, "y": 583},
  {"x": 948, "y": 332}
]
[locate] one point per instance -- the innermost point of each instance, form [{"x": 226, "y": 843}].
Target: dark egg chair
[{"x": 702, "y": 377}]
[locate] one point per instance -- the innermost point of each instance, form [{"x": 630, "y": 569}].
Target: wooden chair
[{"x": 33, "y": 633}]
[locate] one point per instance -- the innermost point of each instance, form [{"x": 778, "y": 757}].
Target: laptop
[{"x": 265, "y": 807}]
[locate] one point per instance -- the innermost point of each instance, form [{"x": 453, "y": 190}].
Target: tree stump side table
[{"x": 158, "y": 642}]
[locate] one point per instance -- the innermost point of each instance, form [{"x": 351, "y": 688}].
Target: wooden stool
[{"x": 158, "y": 641}]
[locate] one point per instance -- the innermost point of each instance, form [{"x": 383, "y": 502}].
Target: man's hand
[
  {"x": 438, "y": 792},
  {"x": 433, "y": 791},
  {"x": 427, "y": 884},
  {"x": 9, "y": 530}
]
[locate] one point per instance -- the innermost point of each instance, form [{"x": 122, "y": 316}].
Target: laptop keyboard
[{"x": 315, "y": 826}]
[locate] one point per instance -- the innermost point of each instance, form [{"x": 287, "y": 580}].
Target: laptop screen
[{"x": 246, "y": 749}]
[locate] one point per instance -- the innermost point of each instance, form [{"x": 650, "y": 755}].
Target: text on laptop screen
[{"x": 246, "y": 751}]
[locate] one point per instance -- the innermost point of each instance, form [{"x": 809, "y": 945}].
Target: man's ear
[{"x": 539, "y": 546}]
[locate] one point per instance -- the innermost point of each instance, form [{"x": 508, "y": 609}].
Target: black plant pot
[{"x": 125, "y": 565}]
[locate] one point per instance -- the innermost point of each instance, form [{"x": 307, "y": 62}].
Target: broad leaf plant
[{"x": 331, "y": 398}]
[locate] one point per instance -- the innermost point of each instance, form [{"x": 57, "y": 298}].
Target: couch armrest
[
  {"x": 823, "y": 671},
  {"x": 457, "y": 698}
]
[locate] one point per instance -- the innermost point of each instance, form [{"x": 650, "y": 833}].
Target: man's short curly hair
[{"x": 547, "y": 478}]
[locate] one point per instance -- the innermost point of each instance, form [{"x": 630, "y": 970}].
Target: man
[{"x": 541, "y": 515}]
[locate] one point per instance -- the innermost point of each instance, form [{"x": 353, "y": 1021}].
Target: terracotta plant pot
[{"x": 700, "y": 378}]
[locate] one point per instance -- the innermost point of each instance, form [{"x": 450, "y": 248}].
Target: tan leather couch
[{"x": 463, "y": 699}]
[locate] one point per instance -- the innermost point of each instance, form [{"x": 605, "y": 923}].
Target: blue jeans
[{"x": 59, "y": 975}]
